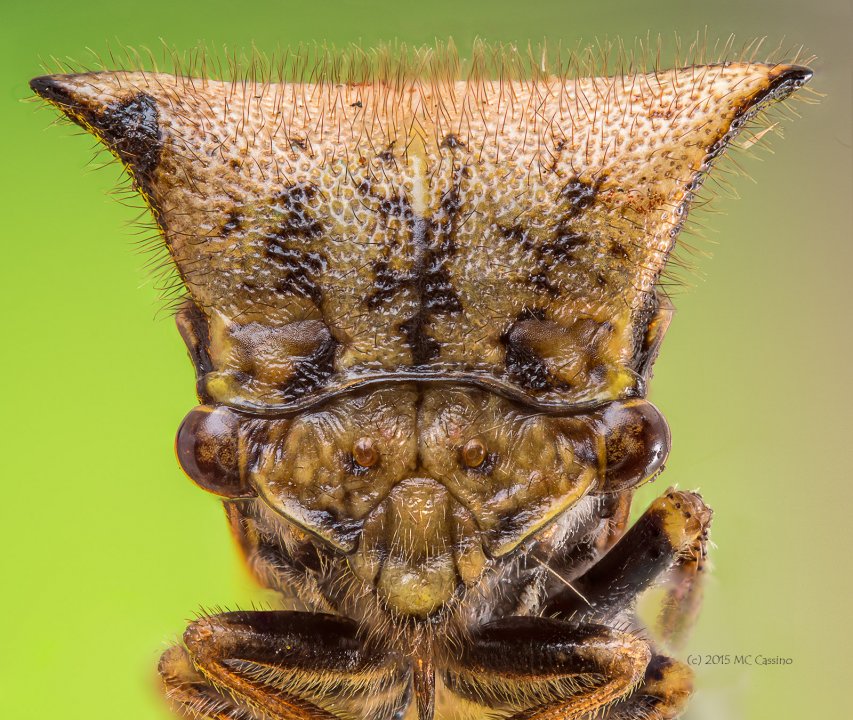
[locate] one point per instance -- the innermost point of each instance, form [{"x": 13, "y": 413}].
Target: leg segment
[
  {"x": 664, "y": 694},
  {"x": 188, "y": 690},
  {"x": 684, "y": 589},
  {"x": 543, "y": 669},
  {"x": 671, "y": 529},
  {"x": 282, "y": 665}
]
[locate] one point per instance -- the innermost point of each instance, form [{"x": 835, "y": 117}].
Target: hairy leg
[
  {"x": 543, "y": 669},
  {"x": 674, "y": 528},
  {"x": 188, "y": 690},
  {"x": 663, "y": 695},
  {"x": 282, "y": 665}
]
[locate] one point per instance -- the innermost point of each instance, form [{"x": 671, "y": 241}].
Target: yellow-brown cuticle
[
  {"x": 364, "y": 453},
  {"x": 474, "y": 453},
  {"x": 684, "y": 516}
]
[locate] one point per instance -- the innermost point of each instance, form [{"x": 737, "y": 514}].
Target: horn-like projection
[{"x": 505, "y": 233}]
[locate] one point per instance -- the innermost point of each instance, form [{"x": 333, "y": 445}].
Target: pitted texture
[{"x": 504, "y": 233}]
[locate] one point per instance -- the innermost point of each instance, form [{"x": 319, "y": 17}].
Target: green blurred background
[{"x": 108, "y": 549}]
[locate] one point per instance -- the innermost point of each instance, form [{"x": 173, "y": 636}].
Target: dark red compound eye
[{"x": 207, "y": 449}]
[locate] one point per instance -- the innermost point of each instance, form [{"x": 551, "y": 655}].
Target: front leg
[
  {"x": 282, "y": 666},
  {"x": 668, "y": 536},
  {"x": 529, "y": 668},
  {"x": 535, "y": 668}
]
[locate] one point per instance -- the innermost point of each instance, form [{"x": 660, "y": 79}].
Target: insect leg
[
  {"x": 672, "y": 530},
  {"x": 537, "y": 668},
  {"x": 663, "y": 695},
  {"x": 283, "y": 665},
  {"x": 188, "y": 690},
  {"x": 684, "y": 590}
]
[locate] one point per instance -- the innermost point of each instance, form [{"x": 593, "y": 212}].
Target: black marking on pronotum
[
  {"x": 294, "y": 225},
  {"x": 573, "y": 199},
  {"x": 579, "y": 194},
  {"x": 299, "y": 269},
  {"x": 433, "y": 241},
  {"x": 541, "y": 281},
  {"x": 132, "y": 129},
  {"x": 564, "y": 247},
  {"x": 129, "y": 127},
  {"x": 386, "y": 282},
  {"x": 297, "y": 220},
  {"x": 397, "y": 207},
  {"x": 452, "y": 142},
  {"x": 424, "y": 347},
  {"x": 518, "y": 234},
  {"x": 387, "y": 155},
  {"x": 438, "y": 294},
  {"x": 233, "y": 223},
  {"x": 618, "y": 251}
]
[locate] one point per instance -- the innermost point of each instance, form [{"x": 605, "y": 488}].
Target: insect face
[{"x": 418, "y": 489}]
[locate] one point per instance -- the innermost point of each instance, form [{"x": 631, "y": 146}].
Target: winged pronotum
[{"x": 423, "y": 311}]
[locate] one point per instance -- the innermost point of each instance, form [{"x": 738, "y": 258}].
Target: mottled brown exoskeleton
[{"x": 423, "y": 312}]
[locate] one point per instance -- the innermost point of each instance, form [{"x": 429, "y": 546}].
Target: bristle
[
  {"x": 315, "y": 87},
  {"x": 399, "y": 65}
]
